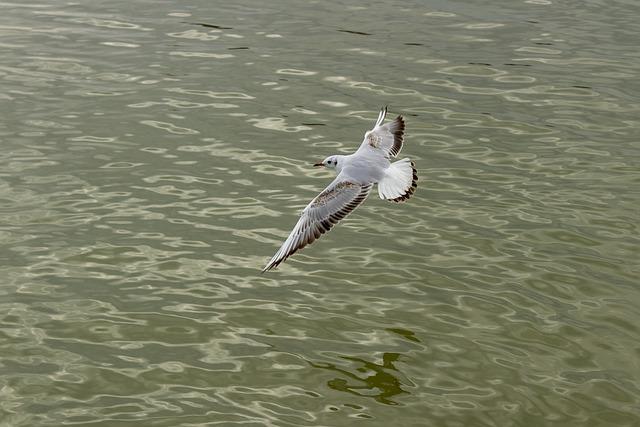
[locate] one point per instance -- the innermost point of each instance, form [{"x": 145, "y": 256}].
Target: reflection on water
[
  {"x": 372, "y": 380},
  {"x": 154, "y": 156}
]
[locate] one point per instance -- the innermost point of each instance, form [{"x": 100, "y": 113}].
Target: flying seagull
[{"x": 357, "y": 173}]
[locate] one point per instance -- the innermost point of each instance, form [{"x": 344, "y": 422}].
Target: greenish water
[{"x": 155, "y": 154}]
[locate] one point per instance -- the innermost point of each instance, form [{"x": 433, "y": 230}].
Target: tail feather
[{"x": 399, "y": 182}]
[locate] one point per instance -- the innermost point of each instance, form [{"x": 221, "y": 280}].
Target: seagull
[{"x": 357, "y": 172}]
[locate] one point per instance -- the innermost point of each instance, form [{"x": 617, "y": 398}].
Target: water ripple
[{"x": 141, "y": 195}]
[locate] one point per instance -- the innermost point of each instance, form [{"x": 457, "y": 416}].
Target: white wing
[
  {"x": 385, "y": 138},
  {"x": 335, "y": 202}
]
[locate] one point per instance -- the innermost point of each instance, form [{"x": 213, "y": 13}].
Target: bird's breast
[{"x": 365, "y": 169}]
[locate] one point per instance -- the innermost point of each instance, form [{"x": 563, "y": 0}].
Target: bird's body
[
  {"x": 357, "y": 173},
  {"x": 365, "y": 169}
]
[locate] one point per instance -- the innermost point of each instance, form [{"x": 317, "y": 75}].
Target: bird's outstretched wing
[
  {"x": 335, "y": 202},
  {"x": 386, "y": 138}
]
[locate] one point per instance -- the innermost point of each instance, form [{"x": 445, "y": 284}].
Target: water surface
[{"x": 156, "y": 153}]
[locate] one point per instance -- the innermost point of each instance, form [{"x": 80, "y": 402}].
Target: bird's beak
[{"x": 318, "y": 165}]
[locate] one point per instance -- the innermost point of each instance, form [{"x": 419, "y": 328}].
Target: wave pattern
[{"x": 152, "y": 163}]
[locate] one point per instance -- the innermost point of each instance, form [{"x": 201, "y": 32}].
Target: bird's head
[{"x": 331, "y": 162}]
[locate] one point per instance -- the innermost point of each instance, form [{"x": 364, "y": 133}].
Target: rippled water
[{"x": 156, "y": 153}]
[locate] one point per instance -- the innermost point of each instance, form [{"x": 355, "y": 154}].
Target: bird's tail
[{"x": 399, "y": 182}]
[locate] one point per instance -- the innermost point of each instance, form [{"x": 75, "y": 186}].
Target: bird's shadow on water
[{"x": 372, "y": 380}]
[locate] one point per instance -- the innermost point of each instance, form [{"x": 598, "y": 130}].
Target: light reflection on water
[{"x": 153, "y": 161}]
